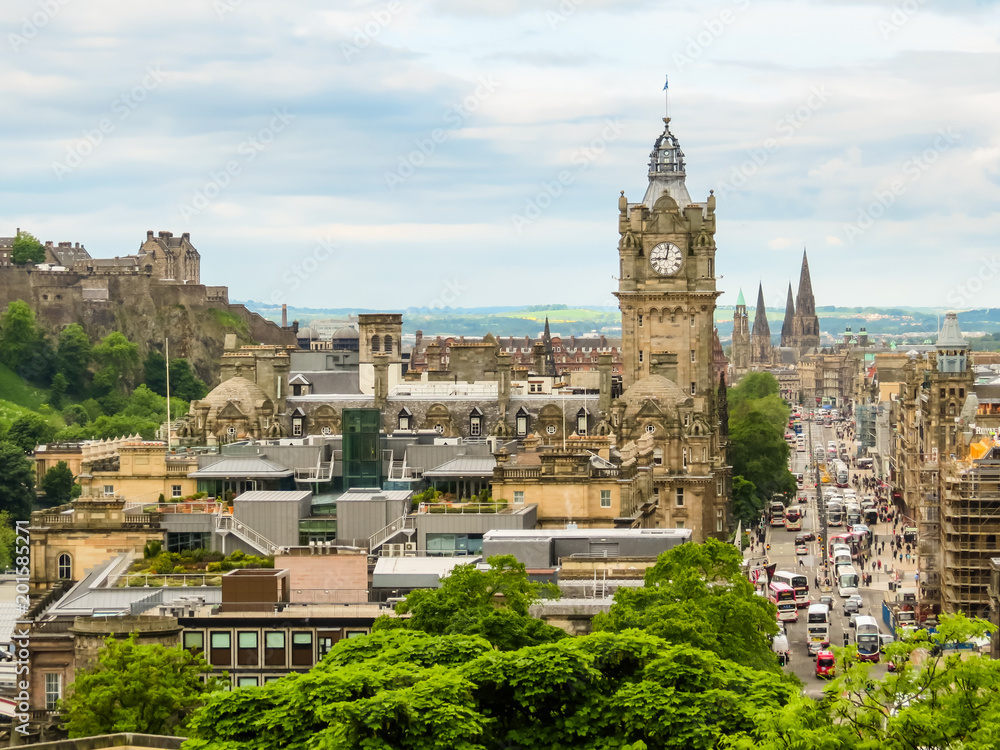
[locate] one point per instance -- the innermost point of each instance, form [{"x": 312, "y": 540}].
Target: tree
[
  {"x": 119, "y": 363},
  {"x": 184, "y": 384},
  {"x": 154, "y": 372},
  {"x": 493, "y": 604},
  {"x": 698, "y": 595},
  {"x": 19, "y": 335},
  {"x": 747, "y": 504},
  {"x": 57, "y": 390},
  {"x": 146, "y": 688},
  {"x": 58, "y": 483},
  {"x": 27, "y": 249},
  {"x": 17, "y": 481},
  {"x": 8, "y": 540},
  {"x": 75, "y": 414},
  {"x": 410, "y": 690},
  {"x": 73, "y": 357},
  {"x": 935, "y": 699},
  {"x": 29, "y": 431},
  {"x": 760, "y": 455}
]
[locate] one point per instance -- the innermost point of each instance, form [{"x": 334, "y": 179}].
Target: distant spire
[
  {"x": 760, "y": 325},
  {"x": 805, "y": 303},
  {"x": 740, "y": 300},
  {"x": 789, "y": 322}
]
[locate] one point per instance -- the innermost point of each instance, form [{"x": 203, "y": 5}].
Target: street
[{"x": 782, "y": 552}]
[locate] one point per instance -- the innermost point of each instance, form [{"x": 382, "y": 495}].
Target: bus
[
  {"x": 798, "y": 583},
  {"x": 840, "y": 472},
  {"x": 777, "y": 513},
  {"x": 793, "y": 519},
  {"x": 818, "y": 625},
  {"x": 842, "y": 556},
  {"x": 847, "y": 580},
  {"x": 844, "y": 540},
  {"x": 783, "y": 597},
  {"x": 853, "y": 514},
  {"x": 866, "y": 637},
  {"x": 835, "y": 514}
]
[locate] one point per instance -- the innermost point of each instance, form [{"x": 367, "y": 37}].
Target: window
[
  {"x": 274, "y": 649},
  {"x": 450, "y": 545},
  {"x": 656, "y": 494},
  {"x": 704, "y": 455},
  {"x": 679, "y": 525},
  {"x": 640, "y": 320},
  {"x": 297, "y": 427},
  {"x": 302, "y": 649},
  {"x": 581, "y": 422},
  {"x": 522, "y": 424},
  {"x": 475, "y": 424},
  {"x": 551, "y": 429},
  {"x": 178, "y": 541},
  {"x": 692, "y": 355},
  {"x": 271, "y": 678},
  {"x": 684, "y": 458},
  {"x": 194, "y": 641},
  {"x": 680, "y": 497},
  {"x": 518, "y": 497},
  {"x": 221, "y": 649},
  {"x": 53, "y": 690},
  {"x": 719, "y": 519},
  {"x": 658, "y": 457},
  {"x": 326, "y": 640},
  {"x": 246, "y": 682},
  {"x": 605, "y": 498},
  {"x": 650, "y": 429},
  {"x": 246, "y": 649},
  {"x": 404, "y": 420},
  {"x": 65, "y": 564},
  {"x": 109, "y": 489},
  {"x": 375, "y": 343},
  {"x": 687, "y": 420},
  {"x": 692, "y": 325},
  {"x": 640, "y": 355},
  {"x": 175, "y": 490},
  {"x": 711, "y": 267},
  {"x": 387, "y": 346},
  {"x": 718, "y": 488},
  {"x": 534, "y": 387}
]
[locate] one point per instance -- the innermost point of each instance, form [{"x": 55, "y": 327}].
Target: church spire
[
  {"x": 805, "y": 328},
  {"x": 760, "y": 337},
  {"x": 787, "y": 327},
  {"x": 805, "y": 303},
  {"x": 760, "y": 325}
]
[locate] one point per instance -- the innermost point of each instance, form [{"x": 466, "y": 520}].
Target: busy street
[{"x": 885, "y": 561}]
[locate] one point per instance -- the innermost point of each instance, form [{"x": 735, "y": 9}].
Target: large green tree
[
  {"x": 491, "y": 603},
  {"x": 58, "y": 483},
  {"x": 937, "y": 698},
  {"x": 27, "y": 249},
  {"x": 698, "y": 595},
  {"x": 146, "y": 688},
  {"x": 30, "y": 430},
  {"x": 73, "y": 357},
  {"x": 409, "y": 690},
  {"x": 747, "y": 503},
  {"x": 19, "y": 335},
  {"x": 184, "y": 384},
  {"x": 118, "y": 359},
  {"x": 17, "y": 481}
]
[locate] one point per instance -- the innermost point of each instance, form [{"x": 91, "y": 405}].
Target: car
[
  {"x": 853, "y": 604},
  {"x": 827, "y": 600},
  {"x": 804, "y": 537},
  {"x": 802, "y": 550},
  {"x": 826, "y": 664}
]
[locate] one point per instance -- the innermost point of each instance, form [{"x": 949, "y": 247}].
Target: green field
[{"x": 17, "y": 398}]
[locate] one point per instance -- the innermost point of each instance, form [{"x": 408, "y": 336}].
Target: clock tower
[{"x": 666, "y": 288}]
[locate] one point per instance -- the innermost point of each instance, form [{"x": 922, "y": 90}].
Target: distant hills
[{"x": 566, "y": 320}]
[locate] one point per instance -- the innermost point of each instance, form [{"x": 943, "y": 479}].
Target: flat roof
[
  {"x": 274, "y": 496},
  {"x": 499, "y": 534}
]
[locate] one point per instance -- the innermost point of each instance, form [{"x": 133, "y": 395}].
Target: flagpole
[
  {"x": 166, "y": 346},
  {"x": 666, "y": 98}
]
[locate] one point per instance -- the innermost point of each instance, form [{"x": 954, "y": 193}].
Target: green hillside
[{"x": 17, "y": 398}]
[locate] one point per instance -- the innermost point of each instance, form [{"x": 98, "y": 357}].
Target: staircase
[
  {"x": 226, "y": 524},
  {"x": 394, "y": 529}
]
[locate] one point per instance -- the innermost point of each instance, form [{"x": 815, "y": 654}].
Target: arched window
[
  {"x": 375, "y": 343},
  {"x": 581, "y": 422},
  {"x": 387, "y": 346},
  {"x": 522, "y": 422},
  {"x": 475, "y": 423},
  {"x": 404, "y": 419},
  {"x": 65, "y": 567}
]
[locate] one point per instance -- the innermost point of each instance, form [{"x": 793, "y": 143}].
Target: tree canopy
[
  {"x": 17, "y": 481},
  {"x": 27, "y": 249},
  {"x": 30, "y": 430},
  {"x": 147, "y": 688},
  {"x": 58, "y": 484},
  {"x": 697, "y": 594}
]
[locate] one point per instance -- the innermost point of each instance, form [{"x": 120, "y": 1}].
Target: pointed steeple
[
  {"x": 760, "y": 326},
  {"x": 805, "y": 303},
  {"x": 788, "y": 325},
  {"x": 739, "y": 300},
  {"x": 550, "y": 360},
  {"x": 805, "y": 327}
]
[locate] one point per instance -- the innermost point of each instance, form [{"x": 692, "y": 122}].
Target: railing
[
  {"x": 178, "y": 468},
  {"x": 156, "y": 580},
  {"x": 401, "y": 523},
  {"x": 55, "y": 519},
  {"x": 533, "y": 473},
  {"x": 462, "y": 508},
  {"x": 321, "y": 473},
  {"x": 398, "y": 470},
  {"x": 208, "y": 506},
  {"x": 226, "y": 523}
]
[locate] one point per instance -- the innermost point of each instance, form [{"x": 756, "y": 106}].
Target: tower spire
[
  {"x": 760, "y": 336},
  {"x": 805, "y": 322},
  {"x": 788, "y": 325},
  {"x": 760, "y": 324}
]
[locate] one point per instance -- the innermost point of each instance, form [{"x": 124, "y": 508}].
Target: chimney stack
[{"x": 284, "y": 315}]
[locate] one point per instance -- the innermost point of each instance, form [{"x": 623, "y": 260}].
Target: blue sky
[{"x": 396, "y": 154}]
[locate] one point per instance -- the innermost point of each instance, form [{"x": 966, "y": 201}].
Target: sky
[{"x": 460, "y": 153}]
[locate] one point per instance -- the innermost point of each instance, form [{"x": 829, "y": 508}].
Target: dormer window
[
  {"x": 581, "y": 422},
  {"x": 475, "y": 423},
  {"x": 403, "y": 419}
]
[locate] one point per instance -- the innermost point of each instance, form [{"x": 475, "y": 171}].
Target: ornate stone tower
[
  {"x": 788, "y": 325},
  {"x": 667, "y": 296},
  {"x": 805, "y": 331},
  {"x": 951, "y": 381},
  {"x": 760, "y": 337},
  {"x": 741, "y": 337},
  {"x": 380, "y": 341}
]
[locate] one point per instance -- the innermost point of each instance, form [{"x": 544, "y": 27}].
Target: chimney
[
  {"x": 419, "y": 338},
  {"x": 538, "y": 358},
  {"x": 149, "y": 235},
  {"x": 284, "y": 315},
  {"x": 186, "y": 237},
  {"x": 604, "y": 373}
]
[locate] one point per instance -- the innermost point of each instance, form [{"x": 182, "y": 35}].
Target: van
[{"x": 826, "y": 664}]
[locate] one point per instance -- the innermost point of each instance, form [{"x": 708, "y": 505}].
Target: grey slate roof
[
  {"x": 950, "y": 336},
  {"x": 242, "y": 467},
  {"x": 274, "y": 496}
]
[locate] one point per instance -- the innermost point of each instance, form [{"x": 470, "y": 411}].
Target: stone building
[{"x": 741, "y": 338}]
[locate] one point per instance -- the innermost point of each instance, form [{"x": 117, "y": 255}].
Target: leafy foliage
[
  {"x": 27, "y": 249},
  {"x": 747, "y": 503},
  {"x": 23, "y": 346},
  {"x": 29, "y": 431},
  {"x": 73, "y": 357},
  {"x": 489, "y": 603},
  {"x": 58, "y": 483},
  {"x": 697, "y": 595},
  {"x": 118, "y": 360},
  {"x": 134, "y": 687},
  {"x": 17, "y": 481},
  {"x": 8, "y": 538},
  {"x": 184, "y": 384},
  {"x": 406, "y": 689}
]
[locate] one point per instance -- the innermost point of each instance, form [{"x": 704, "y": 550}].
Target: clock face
[{"x": 666, "y": 259}]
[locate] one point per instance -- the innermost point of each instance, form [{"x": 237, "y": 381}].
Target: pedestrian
[
  {"x": 901, "y": 557},
  {"x": 880, "y": 565}
]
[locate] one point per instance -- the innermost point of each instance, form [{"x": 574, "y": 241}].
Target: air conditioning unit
[
  {"x": 393, "y": 550},
  {"x": 410, "y": 547}
]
